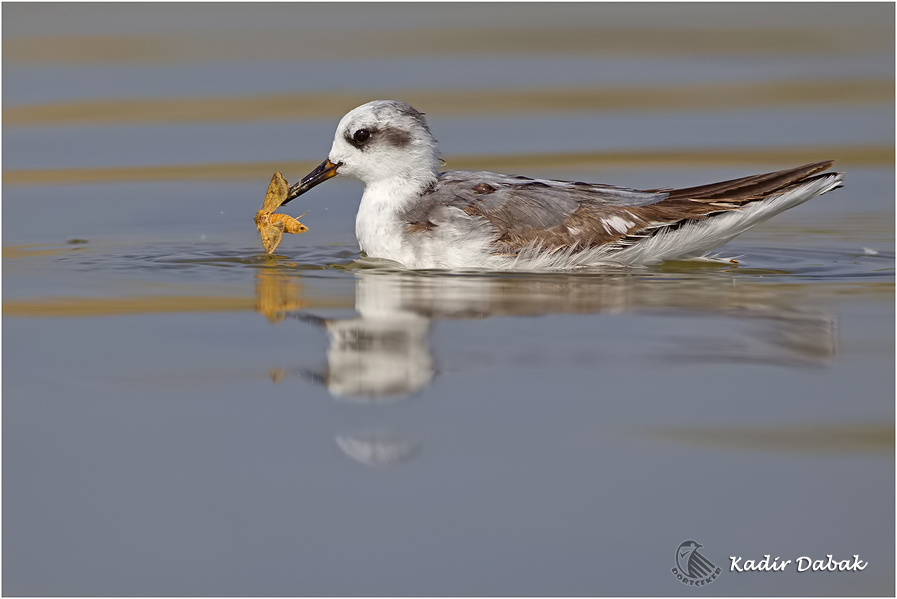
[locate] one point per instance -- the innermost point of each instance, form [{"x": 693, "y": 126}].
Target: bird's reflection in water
[
  {"x": 377, "y": 447},
  {"x": 790, "y": 338},
  {"x": 376, "y": 357},
  {"x": 383, "y": 353}
]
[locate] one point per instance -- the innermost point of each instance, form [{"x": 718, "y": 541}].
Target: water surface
[{"x": 184, "y": 415}]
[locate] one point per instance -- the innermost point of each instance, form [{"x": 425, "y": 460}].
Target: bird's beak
[{"x": 324, "y": 171}]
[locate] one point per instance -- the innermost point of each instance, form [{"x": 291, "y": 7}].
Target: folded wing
[{"x": 526, "y": 212}]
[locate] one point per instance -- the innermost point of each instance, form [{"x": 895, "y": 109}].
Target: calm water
[{"x": 184, "y": 415}]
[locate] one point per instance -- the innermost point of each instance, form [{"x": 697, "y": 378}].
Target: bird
[{"x": 423, "y": 218}]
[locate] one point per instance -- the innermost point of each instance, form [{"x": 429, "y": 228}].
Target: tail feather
[
  {"x": 688, "y": 223},
  {"x": 696, "y": 238},
  {"x": 752, "y": 187}
]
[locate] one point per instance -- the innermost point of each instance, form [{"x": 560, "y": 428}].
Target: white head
[
  {"x": 384, "y": 139},
  {"x": 380, "y": 140}
]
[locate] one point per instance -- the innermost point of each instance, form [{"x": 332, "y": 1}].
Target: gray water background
[{"x": 183, "y": 415}]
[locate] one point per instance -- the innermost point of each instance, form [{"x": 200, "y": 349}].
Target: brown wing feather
[
  {"x": 527, "y": 212},
  {"x": 697, "y": 203},
  {"x": 752, "y": 186}
]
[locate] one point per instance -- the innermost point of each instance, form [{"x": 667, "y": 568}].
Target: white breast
[{"x": 378, "y": 225}]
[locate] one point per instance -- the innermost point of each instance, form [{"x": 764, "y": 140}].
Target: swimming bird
[{"x": 412, "y": 213}]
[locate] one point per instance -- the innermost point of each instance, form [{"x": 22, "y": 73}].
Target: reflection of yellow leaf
[
  {"x": 277, "y": 294},
  {"x": 272, "y": 226}
]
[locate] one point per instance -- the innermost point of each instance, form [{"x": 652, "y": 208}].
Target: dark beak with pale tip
[{"x": 324, "y": 171}]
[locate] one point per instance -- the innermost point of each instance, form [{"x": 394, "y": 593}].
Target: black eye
[{"x": 362, "y": 135}]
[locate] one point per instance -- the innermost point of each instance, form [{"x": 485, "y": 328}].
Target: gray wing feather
[
  {"x": 522, "y": 212},
  {"x": 513, "y": 202},
  {"x": 563, "y": 192}
]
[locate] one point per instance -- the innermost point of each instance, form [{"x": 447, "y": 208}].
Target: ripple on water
[
  {"x": 824, "y": 264},
  {"x": 209, "y": 264},
  {"x": 797, "y": 262}
]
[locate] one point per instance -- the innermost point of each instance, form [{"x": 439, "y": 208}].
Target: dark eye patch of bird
[{"x": 391, "y": 136}]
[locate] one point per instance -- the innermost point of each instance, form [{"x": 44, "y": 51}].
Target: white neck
[{"x": 378, "y": 223}]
